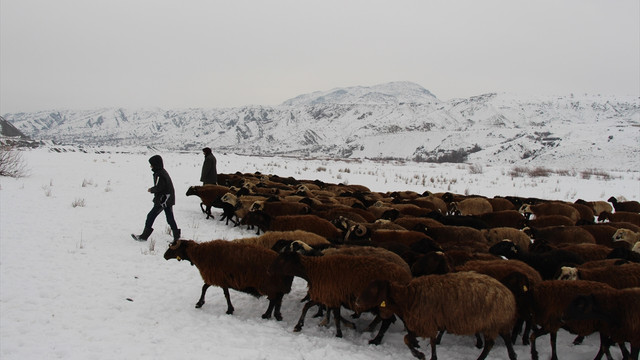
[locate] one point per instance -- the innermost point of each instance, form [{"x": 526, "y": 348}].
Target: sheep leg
[
  {"x": 517, "y": 328},
  {"x": 509, "y": 345},
  {"x": 537, "y": 333},
  {"x": 554, "y": 352},
  {"x": 201, "y": 300},
  {"x": 373, "y": 324},
  {"x": 439, "y": 337},
  {"x": 383, "y": 329},
  {"x": 488, "y": 344},
  {"x": 635, "y": 351},
  {"x": 625, "y": 352},
  {"x": 337, "y": 317},
  {"x": 527, "y": 330},
  {"x": 274, "y": 306},
  {"x": 306, "y": 307},
  {"x": 411, "y": 342},
  {"x": 228, "y": 298},
  {"x": 478, "y": 341},
  {"x": 578, "y": 340}
]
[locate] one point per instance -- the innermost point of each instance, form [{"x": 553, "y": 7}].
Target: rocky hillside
[{"x": 399, "y": 120}]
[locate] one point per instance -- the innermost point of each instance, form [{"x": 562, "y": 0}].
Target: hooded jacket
[
  {"x": 163, "y": 191},
  {"x": 209, "y": 173}
]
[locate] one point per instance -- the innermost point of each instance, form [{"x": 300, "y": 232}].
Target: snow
[{"x": 74, "y": 285}]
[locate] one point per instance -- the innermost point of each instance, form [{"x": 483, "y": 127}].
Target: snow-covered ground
[{"x": 74, "y": 285}]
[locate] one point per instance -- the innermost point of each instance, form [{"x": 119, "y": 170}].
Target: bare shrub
[
  {"x": 11, "y": 163},
  {"x": 540, "y": 172},
  {"x": 78, "y": 203},
  {"x": 475, "y": 169}
]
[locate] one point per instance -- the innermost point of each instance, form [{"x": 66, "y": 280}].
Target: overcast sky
[{"x": 85, "y": 54}]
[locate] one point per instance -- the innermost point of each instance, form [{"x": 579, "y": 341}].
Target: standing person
[
  {"x": 163, "y": 199},
  {"x": 209, "y": 173}
]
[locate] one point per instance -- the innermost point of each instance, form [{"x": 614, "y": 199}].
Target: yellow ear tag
[
  {"x": 383, "y": 304},
  {"x": 178, "y": 258},
  {"x": 525, "y": 288}
]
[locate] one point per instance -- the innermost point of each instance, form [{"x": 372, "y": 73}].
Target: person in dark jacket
[
  {"x": 209, "y": 173},
  {"x": 164, "y": 197}
]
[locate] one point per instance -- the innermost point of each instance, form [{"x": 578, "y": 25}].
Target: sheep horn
[
  {"x": 174, "y": 245},
  {"x": 360, "y": 230}
]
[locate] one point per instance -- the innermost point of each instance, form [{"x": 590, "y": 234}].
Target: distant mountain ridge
[{"x": 399, "y": 120}]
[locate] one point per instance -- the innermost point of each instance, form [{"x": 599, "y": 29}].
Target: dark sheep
[
  {"x": 617, "y": 313},
  {"x": 337, "y": 280},
  {"x": 596, "y": 206},
  {"x": 550, "y": 299},
  {"x": 463, "y": 303},
  {"x": 547, "y": 264},
  {"x": 497, "y": 234},
  {"x": 632, "y": 206},
  {"x": 458, "y": 220},
  {"x": 278, "y": 208},
  {"x": 504, "y": 218},
  {"x": 229, "y": 265},
  {"x": 621, "y": 216}
]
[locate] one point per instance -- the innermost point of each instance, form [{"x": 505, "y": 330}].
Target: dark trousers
[{"x": 153, "y": 214}]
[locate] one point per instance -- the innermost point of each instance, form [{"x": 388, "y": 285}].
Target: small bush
[
  {"x": 540, "y": 172},
  {"x": 78, "y": 203},
  {"x": 11, "y": 163}
]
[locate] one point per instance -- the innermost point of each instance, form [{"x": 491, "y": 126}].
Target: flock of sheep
[{"x": 440, "y": 263}]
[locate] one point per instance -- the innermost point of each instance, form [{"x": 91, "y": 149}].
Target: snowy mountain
[{"x": 399, "y": 120}]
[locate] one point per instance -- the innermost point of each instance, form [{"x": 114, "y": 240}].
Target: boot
[
  {"x": 144, "y": 236},
  {"x": 176, "y": 235}
]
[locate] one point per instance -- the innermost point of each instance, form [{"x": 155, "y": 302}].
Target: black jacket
[
  {"x": 163, "y": 191},
  {"x": 209, "y": 172}
]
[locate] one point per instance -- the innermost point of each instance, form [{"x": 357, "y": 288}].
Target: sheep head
[
  {"x": 506, "y": 248},
  {"x": 625, "y": 235},
  {"x": 376, "y": 294},
  {"x": 567, "y": 273},
  {"x": 178, "y": 250},
  {"x": 257, "y": 206},
  {"x": 192, "y": 190},
  {"x": 288, "y": 264}
]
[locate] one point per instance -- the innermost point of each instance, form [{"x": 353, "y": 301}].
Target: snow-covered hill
[{"x": 399, "y": 120}]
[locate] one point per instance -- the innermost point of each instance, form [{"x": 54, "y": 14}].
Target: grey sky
[{"x": 83, "y": 54}]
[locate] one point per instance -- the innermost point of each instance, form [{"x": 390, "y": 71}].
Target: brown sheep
[
  {"x": 552, "y": 208},
  {"x": 242, "y": 267},
  {"x": 621, "y": 216},
  {"x": 414, "y": 223},
  {"x": 602, "y": 233},
  {"x": 586, "y": 213},
  {"x": 497, "y": 234},
  {"x": 589, "y": 252},
  {"x": 550, "y": 220},
  {"x": 557, "y": 235},
  {"x": 310, "y": 223},
  {"x": 463, "y": 303},
  {"x": 470, "y": 206},
  {"x": 451, "y": 237},
  {"x": 268, "y": 239},
  {"x": 501, "y": 269},
  {"x": 617, "y": 276},
  {"x": 501, "y": 204},
  {"x": 617, "y": 312},
  {"x": 550, "y": 298},
  {"x": 278, "y": 208},
  {"x": 337, "y": 280},
  {"x": 209, "y": 196},
  {"x": 631, "y": 206}
]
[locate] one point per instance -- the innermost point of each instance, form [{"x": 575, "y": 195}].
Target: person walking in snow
[
  {"x": 209, "y": 173},
  {"x": 163, "y": 200}
]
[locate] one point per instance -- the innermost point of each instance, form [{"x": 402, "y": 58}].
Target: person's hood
[{"x": 156, "y": 162}]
